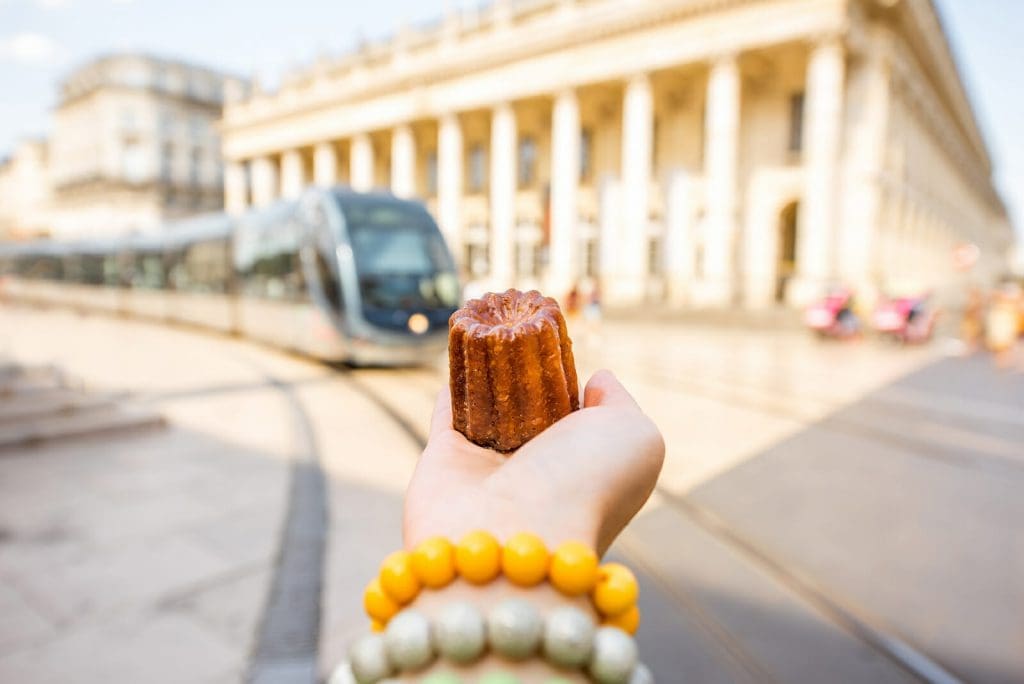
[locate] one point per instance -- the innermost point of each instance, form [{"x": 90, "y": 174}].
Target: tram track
[
  {"x": 866, "y": 629},
  {"x": 991, "y": 454}
]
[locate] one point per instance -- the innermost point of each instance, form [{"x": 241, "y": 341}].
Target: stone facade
[
  {"x": 694, "y": 152},
  {"x": 25, "y": 191},
  {"x": 134, "y": 142}
]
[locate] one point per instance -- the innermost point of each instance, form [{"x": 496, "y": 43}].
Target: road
[{"x": 826, "y": 512}]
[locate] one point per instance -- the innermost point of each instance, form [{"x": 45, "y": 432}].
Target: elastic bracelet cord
[
  {"x": 514, "y": 629},
  {"x": 524, "y": 560}
]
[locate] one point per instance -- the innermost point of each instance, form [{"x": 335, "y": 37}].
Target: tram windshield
[{"x": 400, "y": 257}]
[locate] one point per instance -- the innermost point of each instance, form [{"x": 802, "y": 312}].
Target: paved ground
[{"x": 827, "y": 512}]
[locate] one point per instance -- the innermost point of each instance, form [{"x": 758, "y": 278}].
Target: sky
[{"x": 42, "y": 40}]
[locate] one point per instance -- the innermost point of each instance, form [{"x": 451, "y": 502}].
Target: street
[{"x": 845, "y": 512}]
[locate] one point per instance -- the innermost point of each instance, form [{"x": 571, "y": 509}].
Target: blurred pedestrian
[
  {"x": 972, "y": 323},
  {"x": 1001, "y": 326},
  {"x": 572, "y": 303}
]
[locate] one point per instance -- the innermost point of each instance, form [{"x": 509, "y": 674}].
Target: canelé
[{"x": 512, "y": 370}]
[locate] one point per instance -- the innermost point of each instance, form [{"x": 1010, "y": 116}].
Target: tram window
[
  {"x": 110, "y": 270},
  {"x": 329, "y": 281},
  {"x": 40, "y": 267},
  {"x": 148, "y": 271},
  {"x": 86, "y": 269},
  {"x": 203, "y": 267},
  {"x": 275, "y": 275}
]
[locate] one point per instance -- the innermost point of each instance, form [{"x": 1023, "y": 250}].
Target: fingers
[
  {"x": 604, "y": 389},
  {"x": 441, "y": 420}
]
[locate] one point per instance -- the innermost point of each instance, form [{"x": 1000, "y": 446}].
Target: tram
[{"x": 362, "y": 278}]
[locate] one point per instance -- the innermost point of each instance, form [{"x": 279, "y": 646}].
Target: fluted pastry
[{"x": 512, "y": 370}]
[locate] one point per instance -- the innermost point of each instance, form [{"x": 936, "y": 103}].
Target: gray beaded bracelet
[{"x": 514, "y": 629}]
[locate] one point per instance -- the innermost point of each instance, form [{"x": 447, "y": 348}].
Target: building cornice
[
  {"x": 491, "y": 48},
  {"x": 927, "y": 38}
]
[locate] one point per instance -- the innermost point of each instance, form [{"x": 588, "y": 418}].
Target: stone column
[
  {"x": 325, "y": 164},
  {"x": 360, "y": 159},
  {"x": 721, "y": 161},
  {"x": 503, "y": 194},
  {"x": 860, "y": 252},
  {"x": 236, "y": 189},
  {"x": 449, "y": 181},
  {"x": 565, "y": 180},
  {"x": 816, "y": 233},
  {"x": 627, "y": 281},
  {"x": 403, "y": 162},
  {"x": 264, "y": 181},
  {"x": 679, "y": 237},
  {"x": 292, "y": 174}
]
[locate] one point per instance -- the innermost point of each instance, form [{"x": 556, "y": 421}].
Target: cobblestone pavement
[{"x": 827, "y": 512}]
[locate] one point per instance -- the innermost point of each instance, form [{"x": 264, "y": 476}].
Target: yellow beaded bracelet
[{"x": 524, "y": 560}]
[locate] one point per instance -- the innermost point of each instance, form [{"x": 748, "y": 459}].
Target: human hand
[{"x": 583, "y": 478}]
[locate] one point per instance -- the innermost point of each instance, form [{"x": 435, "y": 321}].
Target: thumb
[
  {"x": 441, "y": 420},
  {"x": 604, "y": 389}
]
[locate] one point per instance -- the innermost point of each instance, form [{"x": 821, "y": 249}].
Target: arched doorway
[{"x": 785, "y": 260}]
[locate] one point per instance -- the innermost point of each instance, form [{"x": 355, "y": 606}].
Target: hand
[{"x": 583, "y": 478}]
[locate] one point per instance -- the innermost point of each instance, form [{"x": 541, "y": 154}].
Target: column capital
[
  {"x": 827, "y": 40},
  {"x": 723, "y": 58},
  {"x": 638, "y": 79}
]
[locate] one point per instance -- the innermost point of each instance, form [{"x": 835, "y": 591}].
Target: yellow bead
[
  {"x": 397, "y": 577},
  {"x": 524, "y": 560},
  {"x": 573, "y": 568},
  {"x": 376, "y": 626},
  {"x": 433, "y": 561},
  {"x": 627, "y": 621},
  {"x": 378, "y": 604},
  {"x": 616, "y": 589},
  {"x": 478, "y": 557}
]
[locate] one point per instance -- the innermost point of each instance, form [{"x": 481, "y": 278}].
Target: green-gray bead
[
  {"x": 641, "y": 675},
  {"x": 459, "y": 633},
  {"x": 368, "y": 658},
  {"x": 568, "y": 637},
  {"x": 614, "y": 656},
  {"x": 515, "y": 629},
  {"x": 408, "y": 640},
  {"x": 342, "y": 675}
]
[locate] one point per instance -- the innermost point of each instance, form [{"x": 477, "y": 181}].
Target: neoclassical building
[
  {"x": 134, "y": 143},
  {"x": 693, "y": 152}
]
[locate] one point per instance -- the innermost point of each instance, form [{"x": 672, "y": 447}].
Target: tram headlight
[{"x": 418, "y": 323}]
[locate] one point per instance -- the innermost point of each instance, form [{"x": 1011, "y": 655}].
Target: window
[
  {"x": 796, "y": 122},
  {"x": 590, "y": 258},
  {"x": 432, "y": 173},
  {"x": 586, "y": 154},
  {"x": 477, "y": 259},
  {"x": 654, "y": 256},
  {"x": 128, "y": 120},
  {"x": 195, "y": 166},
  {"x": 527, "y": 162},
  {"x": 167, "y": 162},
  {"x": 133, "y": 162},
  {"x": 477, "y": 168},
  {"x": 195, "y": 127},
  {"x": 166, "y": 124},
  {"x": 655, "y": 134}
]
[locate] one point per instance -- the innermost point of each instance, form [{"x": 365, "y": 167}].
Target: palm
[{"x": 582, "y": 478}]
